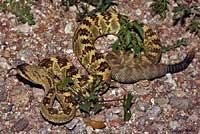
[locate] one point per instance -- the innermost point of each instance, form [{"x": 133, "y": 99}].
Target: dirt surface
[{"x": 170, "y": 104}]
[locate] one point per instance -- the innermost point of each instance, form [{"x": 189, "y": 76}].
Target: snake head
[
  {"x": 23, "y": 71},
  {"x": 34, "y": 74}
]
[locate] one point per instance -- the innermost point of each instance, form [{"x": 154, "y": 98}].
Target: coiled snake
[{"x": 120, "y": 66}]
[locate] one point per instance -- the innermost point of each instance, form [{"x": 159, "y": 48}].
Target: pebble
[
  {"x": 141, "y": 106},
  {"x": 154, "y": 112},
  {"x": 1, "y": 128},
  {"x": 180, "y": 103},
  {"x": 4, "y": 64},
  {"x": 68, "y": 27},
  {"x": 2, "y": 80},
  {"x": 116, "y": 110},
  {"x": 161, "y": 101},
  {"x": 179, "y": 93},
  {"x": 141, "y": 120},
  {"x": 10, "y": 107},
  {"x": 25, "y": 54},
  {"x": 24, "y": 28},
  {"x": 171, "y": 81},
  {"x": 174, "y": 125},
  {"x": 44, "y": 131},
  {"x": 138, "y": 12},
  {"x": 89, "y": 129},
  {"x": 141, "y": 91},
  {"x": 194, "y": 117},
  {"x": 72, "y": 124},
  {"x": 20, "y": 125},
  {"x": 3, "y": 94},
  {"x": 197, "y": 82},
  {"x": 6, "y": 54}
]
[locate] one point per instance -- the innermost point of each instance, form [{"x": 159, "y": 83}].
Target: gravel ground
[{"x": 170, "y": 104}]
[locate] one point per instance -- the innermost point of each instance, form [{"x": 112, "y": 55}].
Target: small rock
[
  {"x": 9, "y": 108},
  {"x": 116, "y": 110},
  {"x": 68, "y": 27},
  {"x": 2, "y": 79},
  {"x": 1, "y": 128},
  {"x": 138, "y": 12},
  {"x": 44, "y": 131},
  {"x": 171, "y": 81},
  {"x": 141, "y": 91},
  {"x": 6, "y": 54},
  {"x": 89, "y": 129},
  {"x": 4, "y": 64},
  {"x": 71, "y": 125},
  {"x": 179, "y": 93},
  {"x": 25, "y": 54},
  {"x": 141, "y": 106},
  {"x": 115, "y": 123},
  {"x": 111, "y": 116},
  {"x": 194, "y": 117},
  {"x": 174, "y": 125},
  {"x": 180, "y": 103},
  {"x": 3, "y": 94},
  {"x": 24, "y": 28},
  {"x": 161, "y": 101},
  {"x": 197, "y": 82},
  {"x": 20, "y": 125},
  {"x": 141, "y": 120},
  {"x": 154, "y": 111}
]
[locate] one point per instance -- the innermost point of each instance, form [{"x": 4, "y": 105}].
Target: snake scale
[{"x": 123, "y": 67}]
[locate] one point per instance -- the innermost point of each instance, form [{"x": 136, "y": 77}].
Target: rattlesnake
[{"x": 121, "y": 66}]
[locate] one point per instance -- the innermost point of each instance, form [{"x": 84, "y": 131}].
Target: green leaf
[
  {"x": 160, "y": 7},
  {"x": 194, "y": 26},
  {"x": 85, "y": 106},
  {"x": 138, "y": 29},
  {"x": 127, "y": 105},
  {"x": 128, "y": 38},
  {"x": 92, "y": 97},
  {"x": 64, "y": 85},
  {"x": 20, "y": 8},
  {"x": 97, "y": 108},
  {"x": 127, "y": 115},
  {"x": 180, "y": 42}
]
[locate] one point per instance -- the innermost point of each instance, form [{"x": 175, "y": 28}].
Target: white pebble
[
  {"x": 138, "y": 12},
  {"x": 68, "y": 27}
]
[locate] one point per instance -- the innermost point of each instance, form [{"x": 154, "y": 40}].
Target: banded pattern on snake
[{"x": 120, "y": 66}]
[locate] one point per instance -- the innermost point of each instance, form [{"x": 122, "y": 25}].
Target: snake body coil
[{"x": 120, "y": 66}]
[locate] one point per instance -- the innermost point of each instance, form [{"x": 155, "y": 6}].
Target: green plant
[
  {"x": 194, "y": 26},
  {"x": 101, "y": 5},
  {"x": 180, "y": 42},
  {"x": 127, "y": 105},
  {"x": 91, "y": 102},
  {"x": 160, "y": 7},
  {"x": 130, "y": 37},
  {"x": 87, "y": 103},
  {"x": 182, "y": 12},
  {"x": 20, "y": 8}
]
